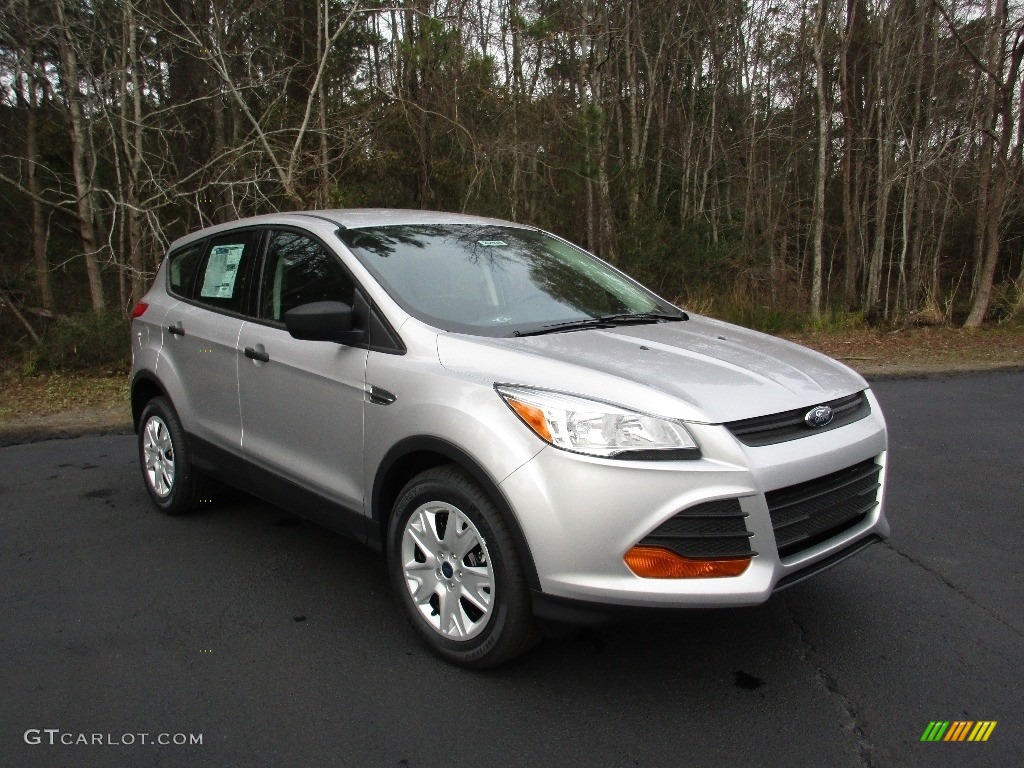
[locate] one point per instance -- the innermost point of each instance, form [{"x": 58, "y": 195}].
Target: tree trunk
[
  {"x": 135, "y": 240},
  {"x": 323, "y": 33},
  {"x": 851, "y": 253},
  {"x": 823, "y": 139},
  {"x": 995, "y": 160},
  {"x": 69, "y": 84},
  {"x": 884, "y": 128},
  {"x": 632, "y": 42},
  {"x": 39, "y": 238}
]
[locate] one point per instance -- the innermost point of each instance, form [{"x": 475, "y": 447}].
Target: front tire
[
  {"x": 454, "y": 565},
  {"x": 174, "y": 485}
]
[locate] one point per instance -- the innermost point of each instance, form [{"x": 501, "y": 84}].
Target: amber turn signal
[
  {"x": 534, "y": 418},
  {"x": 659, "y": 563}
]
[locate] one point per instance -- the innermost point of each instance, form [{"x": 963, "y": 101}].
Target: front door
[{"x": 302, "y": 401}]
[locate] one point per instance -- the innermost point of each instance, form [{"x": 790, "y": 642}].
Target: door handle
[
  {"x": 257, "y": 353},
  {"x": 177, "y": 329},
  {"x": 379, "y": 396}
]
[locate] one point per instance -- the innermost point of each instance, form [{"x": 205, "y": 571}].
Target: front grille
[
  {"x": 790, "y": 425},
  {"x": 714, "y": 529},
  {"x": 806, "y": 514}
]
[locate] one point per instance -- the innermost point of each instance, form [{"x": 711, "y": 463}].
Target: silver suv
[{"x": 524, "y": 430}]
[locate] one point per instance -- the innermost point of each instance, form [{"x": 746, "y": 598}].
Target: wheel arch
[
  {"x": 414, "y": 455},
  {"x": 144, "y": 388}
]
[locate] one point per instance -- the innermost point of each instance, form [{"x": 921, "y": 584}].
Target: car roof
[{"x": 348, "y": 218}]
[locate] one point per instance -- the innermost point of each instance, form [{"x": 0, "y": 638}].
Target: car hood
[{"x": 719, "y": 372}]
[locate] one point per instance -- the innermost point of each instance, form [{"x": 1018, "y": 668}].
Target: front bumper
[{"x": 581, "y": 514}]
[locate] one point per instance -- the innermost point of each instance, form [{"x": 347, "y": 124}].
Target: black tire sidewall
[
  {"x": 460, "y": 493},
  {"x": 181, "y": 499}
]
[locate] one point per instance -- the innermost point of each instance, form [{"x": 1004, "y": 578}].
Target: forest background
[{"x": 781, "y": 163}]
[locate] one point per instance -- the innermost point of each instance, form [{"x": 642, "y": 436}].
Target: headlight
[{"x": 598, "y": 429}]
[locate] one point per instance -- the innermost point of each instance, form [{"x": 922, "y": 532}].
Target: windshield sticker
[
  {"x": 221, "y": 271},
  {"x": 491, "y": 243}
]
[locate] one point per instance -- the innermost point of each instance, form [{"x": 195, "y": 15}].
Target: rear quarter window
[{"x": 181, "y": 270}]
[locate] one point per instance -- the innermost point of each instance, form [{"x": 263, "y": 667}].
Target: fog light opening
[{"x": 659, "y": 563}]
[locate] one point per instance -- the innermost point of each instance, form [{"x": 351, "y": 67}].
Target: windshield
[{"x": 495, "y": 280}]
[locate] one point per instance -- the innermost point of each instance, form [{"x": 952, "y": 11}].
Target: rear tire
[
  {"x": 174, "y": 484},
  {"x": 454, "y": 565}
]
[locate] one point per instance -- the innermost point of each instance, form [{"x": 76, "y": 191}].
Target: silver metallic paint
[{"x": 579, "y": 514}]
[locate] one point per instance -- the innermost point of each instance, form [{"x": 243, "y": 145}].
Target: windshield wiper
[
  {"x": 642, "y": 317},
  {"x": 604, "y": 321}
]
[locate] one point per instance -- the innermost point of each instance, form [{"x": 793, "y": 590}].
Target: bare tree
[
  {"x": 784, "y": 152},
  {"x": 824, "y": 115},
  {"x": 70, "y": 84},
  {"x": 1004, "y": 49}
]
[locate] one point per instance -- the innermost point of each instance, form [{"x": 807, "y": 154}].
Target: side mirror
[{"x": 323, "y": 321}]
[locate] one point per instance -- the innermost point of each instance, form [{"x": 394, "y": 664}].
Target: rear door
[
  {"x": 201, "y": 338},
  {"x": 302, "y": 401}
]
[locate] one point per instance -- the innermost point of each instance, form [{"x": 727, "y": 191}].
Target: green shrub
[
  {"x": 762, "y": 317},
  {"x": 80, "y": 341},
  {"x": 741, "y": 306},
  {"x": 671, "y": 258},
  {"x": 835, "y": 320}
]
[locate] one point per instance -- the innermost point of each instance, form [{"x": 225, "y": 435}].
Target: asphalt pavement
[{"x": 274, "y": 643}]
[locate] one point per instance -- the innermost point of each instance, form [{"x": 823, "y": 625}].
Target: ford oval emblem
[{"x": 819, "y": 417}]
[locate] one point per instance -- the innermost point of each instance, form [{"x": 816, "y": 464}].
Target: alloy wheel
[
  {"x": 448, "y": 570},
  {"x": 159, "y": 456}
]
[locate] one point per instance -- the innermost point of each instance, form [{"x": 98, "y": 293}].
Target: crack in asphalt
[
  {"x": 125, "y": 619},
  {"x": 946, "y": 582},
  {"x": 865, "y": 749}
]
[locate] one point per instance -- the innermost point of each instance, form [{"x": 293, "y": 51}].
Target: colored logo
[
  {"x": 819, "y": 417},
  {"x": 958, "y": 730}
]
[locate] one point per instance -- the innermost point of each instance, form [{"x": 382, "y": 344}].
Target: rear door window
[{"x": 223, "y": 280}]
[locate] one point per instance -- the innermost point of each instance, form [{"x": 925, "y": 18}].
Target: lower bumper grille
[
  {"x": 806, "y": 514},
  {"x": 714, "y": 529},
  {"x": 823, "y": 565}
]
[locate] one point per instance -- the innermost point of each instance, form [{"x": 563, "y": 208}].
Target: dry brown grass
[
  {"x": 930, "y": 348},
  {"x": 45, "y": 395}
]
